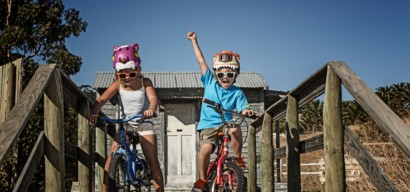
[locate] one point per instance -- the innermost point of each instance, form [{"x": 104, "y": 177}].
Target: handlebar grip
[
  {"x": 252, "y": 116},
  {"x": 209, "y": 101}
]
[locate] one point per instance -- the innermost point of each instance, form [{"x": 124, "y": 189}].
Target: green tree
[
  {"x": 36, "y": 31},
  {"x": 397, "y": 97},
  {"x": 353, "y": 113},
  {"x": 312, "y": 116}
]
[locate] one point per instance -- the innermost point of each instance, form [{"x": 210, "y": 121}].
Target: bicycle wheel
[
  {"x": 116, "y": 175},
  {"x": 233, "y": 179},
  {"x": 144, "y": 176}
]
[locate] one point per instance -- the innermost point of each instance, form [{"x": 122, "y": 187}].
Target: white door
[{"x": 181, "y": 145}]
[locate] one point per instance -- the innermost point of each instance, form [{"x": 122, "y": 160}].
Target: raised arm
[{"x": 198, "y": 53}]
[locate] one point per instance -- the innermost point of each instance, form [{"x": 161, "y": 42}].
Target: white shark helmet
[{"x": 227, "y": 59}]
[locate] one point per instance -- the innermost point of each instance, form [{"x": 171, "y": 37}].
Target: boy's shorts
[
  {"x": 146, "y": 128},
  {"x": 209, "y": 135}
]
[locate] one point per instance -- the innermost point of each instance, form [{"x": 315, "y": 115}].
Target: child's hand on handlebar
[
  {"x": 149, "y": 113},
  {"x": 92, "y": 120},
  {"x": 249, "y": 113}
]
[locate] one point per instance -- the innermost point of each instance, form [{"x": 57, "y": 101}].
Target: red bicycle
[{"x": 223, "y": 174}]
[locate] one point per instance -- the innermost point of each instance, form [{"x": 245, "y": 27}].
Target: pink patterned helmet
[
  {"x": 228, "y": 59},
  {"x": 126, "y": 57}
]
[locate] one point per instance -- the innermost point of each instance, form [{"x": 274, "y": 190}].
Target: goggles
[
  {"x": 226, "y": 56},
  {"x": 228, "y": 74},
  {"x": 124, "y": 75}
]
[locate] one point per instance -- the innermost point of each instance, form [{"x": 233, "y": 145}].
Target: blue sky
[{"x": 285, "y": 41}]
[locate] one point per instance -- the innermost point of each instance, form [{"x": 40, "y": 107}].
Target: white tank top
[{"x": 133, "y": 102}]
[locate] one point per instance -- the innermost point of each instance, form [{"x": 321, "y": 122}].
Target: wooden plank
[
  {"x": 312, "y": 83},
  {"x": 54, "y": 131},
  {"x": 280, "y": 152},
  {"x": 278, "y": 109},
  {"x": 24, "y": 180},
  {"x": 266, "y": 154},
  {"x": 72, "y": 94},
  {"x": 369, "y": 165},
  {"x": 292, "y": 145},
  {"x": 374, "y": 106},
  {"x": 19, "y": 115},
  {"x": 311, "y": 144},
  {"x": 333, "y": 135},
  {"x": 308, "y": 90},
  {"x": 275, "y": 109},
  {"x": 252, "y": 178}
]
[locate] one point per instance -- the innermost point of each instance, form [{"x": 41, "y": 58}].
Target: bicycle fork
[
  {"x": 221, "y": 161},
  {"x": 132, "y": 163}
]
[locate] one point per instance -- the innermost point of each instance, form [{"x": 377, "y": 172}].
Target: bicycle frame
[
  {"x": 131, "y": 156},
  {"x": 222, "y": 157},
  {"x": 223, "y": 150}
]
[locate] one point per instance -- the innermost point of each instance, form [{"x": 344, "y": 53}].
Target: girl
[{"x": 137, "y": 96}]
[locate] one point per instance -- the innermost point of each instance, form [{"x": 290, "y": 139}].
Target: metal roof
[{"x": 183, "y": 80}]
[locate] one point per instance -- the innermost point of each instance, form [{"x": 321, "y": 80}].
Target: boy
[{"x": 220, "y": 90}]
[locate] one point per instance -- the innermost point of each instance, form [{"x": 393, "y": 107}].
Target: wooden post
[
  {"x": 252, "y": 180},
  {"x": 54, "y": 131},
  {"x": 18, "y": 85},
  {"x": 101, "y": 155},
  {"x": 333, "y": 134},
  {"x": 7, "y": 91},
  {"x": 267, "y": 155},
  {"x": 278, "y": 161},
  {"x": 84, "y": 168},
  {"x": 1, "y": 90},
  {"x": 292, "y": 147}
]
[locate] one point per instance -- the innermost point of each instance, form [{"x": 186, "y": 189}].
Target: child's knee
[
  {"x": 235, "y": 131},
  {"x": 206, "y": 148}
]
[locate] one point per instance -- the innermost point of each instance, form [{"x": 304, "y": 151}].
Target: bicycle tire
[
  {"x": 239, "y": 179},
  {"x": 144, "y": 176},
  {"x": 116, "y": 175}
]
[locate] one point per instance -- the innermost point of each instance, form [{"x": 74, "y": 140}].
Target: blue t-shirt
[{"x": 230, "y": 99}]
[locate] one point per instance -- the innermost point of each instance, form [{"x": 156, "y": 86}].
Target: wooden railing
[
  {"x": 58, "y": 91},
  {"x": 327, "y": 80}
]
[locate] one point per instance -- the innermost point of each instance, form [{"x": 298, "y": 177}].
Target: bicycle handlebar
[
  {"x": 140, "y": 118},
  {"x": 218, "y": 108}
]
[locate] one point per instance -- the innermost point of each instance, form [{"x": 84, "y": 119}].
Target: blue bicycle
[{"x": 127, "y": 169}]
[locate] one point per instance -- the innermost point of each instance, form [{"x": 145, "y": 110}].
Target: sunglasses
[
  {"x": 228, "y": 74},
  {"x": 124, "y": 75}
]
